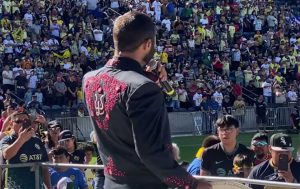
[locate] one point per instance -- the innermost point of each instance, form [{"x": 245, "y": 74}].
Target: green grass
[{"x": 190, "y": 144}]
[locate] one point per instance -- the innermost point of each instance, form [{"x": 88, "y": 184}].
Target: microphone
[{"x": 165, "y": 84}]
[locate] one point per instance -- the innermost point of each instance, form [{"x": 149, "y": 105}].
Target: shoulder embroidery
[{"x": 102, "y": 92}]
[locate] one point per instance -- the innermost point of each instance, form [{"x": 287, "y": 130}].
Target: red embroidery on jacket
[
  {"x": 179, "y": 182},
  {"x": 112, "y": 170},
  {"x": 102, "y": 92}
]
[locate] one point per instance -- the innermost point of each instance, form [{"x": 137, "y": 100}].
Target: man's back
[{"x": 131, "y": 122}]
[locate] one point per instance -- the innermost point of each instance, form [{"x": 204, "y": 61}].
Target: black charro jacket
[{"x": 131, "y": 123}]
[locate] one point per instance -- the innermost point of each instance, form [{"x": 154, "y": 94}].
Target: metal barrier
[
  {"x": 36, "y": 167},
  {"x": 193, "y": 123}
]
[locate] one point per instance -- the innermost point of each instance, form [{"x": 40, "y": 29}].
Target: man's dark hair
[
  {"x": 60, "y": 151},
  {"x": 89, "y": 148},
  {"x": 131, "y": 30},
  {"x": 227, "y": 121},
  {"x": 243, "y": 160},
  {"x": 210, "y": 141}
]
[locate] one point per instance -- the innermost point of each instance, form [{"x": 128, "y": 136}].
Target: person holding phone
[
  {"x": 281, "y": 167},
  {"x": 23, "y": 146}
]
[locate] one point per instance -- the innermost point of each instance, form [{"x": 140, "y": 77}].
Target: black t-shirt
[
  {"x": 72, "y": 85},
  {"x": 266, "y": 171},
  {"x": 77, "y": 157},
  {"x": 261, "y": 108},
  {"x": 21, "y": 81},
  {"x": 218, "y": 163}
]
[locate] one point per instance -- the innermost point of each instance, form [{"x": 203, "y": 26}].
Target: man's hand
[
  {"x": 287, "y": 175},
  {"x": 25, "y": 134},
  {"x": 41, "y": 119},
  {"x": 202, "y": 184},
  {"x": 163, "y": 76}
]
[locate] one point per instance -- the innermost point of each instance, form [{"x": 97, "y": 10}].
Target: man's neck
[
  {"x": 129, "y": 55},
  {"x": 229, "y": 148}
]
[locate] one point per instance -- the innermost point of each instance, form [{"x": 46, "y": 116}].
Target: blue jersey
[
  {"x": 195, "y": 167},
  {"x": 31, "y": 151},
  {"x": 74, "y": 174}
]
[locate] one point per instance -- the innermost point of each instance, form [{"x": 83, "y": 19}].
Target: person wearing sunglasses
[
  {"x": 23, "y": 146},
  {"x": 260, "y": 147},
  {"x": 54, "y": 128}
]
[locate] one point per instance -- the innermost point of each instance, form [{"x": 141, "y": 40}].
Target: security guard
[
  {"x": 129, "y": 114},
  {"x": 23, "y": 147}
]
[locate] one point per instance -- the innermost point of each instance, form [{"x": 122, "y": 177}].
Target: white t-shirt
[
  {"x": 8, "y": 44},
  {"x": 218, "y": 97},
  {"x": 191, "y": 43},
  {"x": 7, "y": 77},
  {"x": 167, "y": 23},
  {"x": 147, "y": 5},
  {"x": 16, "y": 71},
  {"x": 157, "y": 6},
  {"x": 258, "y": 24},
  {"x": 204, "y": 21},
  {"x": 197, "y": 98},
  {"x": 32, "y": 82},
  {"x": 45, "y": 45},
  {"x": 98, "y": 34},
  {"x": 292, "y": 95},
  {"x": 267, "y": 89}
]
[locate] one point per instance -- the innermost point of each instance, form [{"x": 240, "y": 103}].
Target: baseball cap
[
  {"x": 260, "y": 139},
  {"x": 53, "y": 124},
  {"x": 65, "y": 134},
  {"x": 281, "y": 142}
]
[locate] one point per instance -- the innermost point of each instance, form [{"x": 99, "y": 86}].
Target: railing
[
  {"x": 36, "y": 168},
  {"x": 193, "y": 123}
]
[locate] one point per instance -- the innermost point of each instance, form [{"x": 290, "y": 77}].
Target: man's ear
[{"x": 147, "y": 44}]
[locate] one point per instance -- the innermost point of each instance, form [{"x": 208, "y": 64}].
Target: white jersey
[
  {"x": 157, "y": 6},
  {"x": 197, "y": 98},
  {"x": 218, "y": 97}
]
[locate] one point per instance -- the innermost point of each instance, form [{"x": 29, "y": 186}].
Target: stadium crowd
[
  {"x": 220, "y": 56},
  {"x": 229, "y": 52}
]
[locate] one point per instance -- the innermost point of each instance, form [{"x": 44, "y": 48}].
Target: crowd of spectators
[{"x": 217, "y": 53}]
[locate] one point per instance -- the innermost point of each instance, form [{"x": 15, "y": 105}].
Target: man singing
[{"x": 129, "y": 114}]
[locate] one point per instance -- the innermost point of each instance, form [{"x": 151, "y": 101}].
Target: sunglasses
[
  {"x": 260, "y": 143},
  {"x": 54, "y": 129}
]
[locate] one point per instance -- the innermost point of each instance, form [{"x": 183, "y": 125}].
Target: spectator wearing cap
[
  {"x": 260, "y": 147},
  {"x": 280, "y": 144},
  {"x": 61, "y": 155},
  {"x": 54, "y": 129},
  {"x": 68, "y": 141}
]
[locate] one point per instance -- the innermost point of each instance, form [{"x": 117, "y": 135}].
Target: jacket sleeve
[{"x": 150, "y": 127}]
